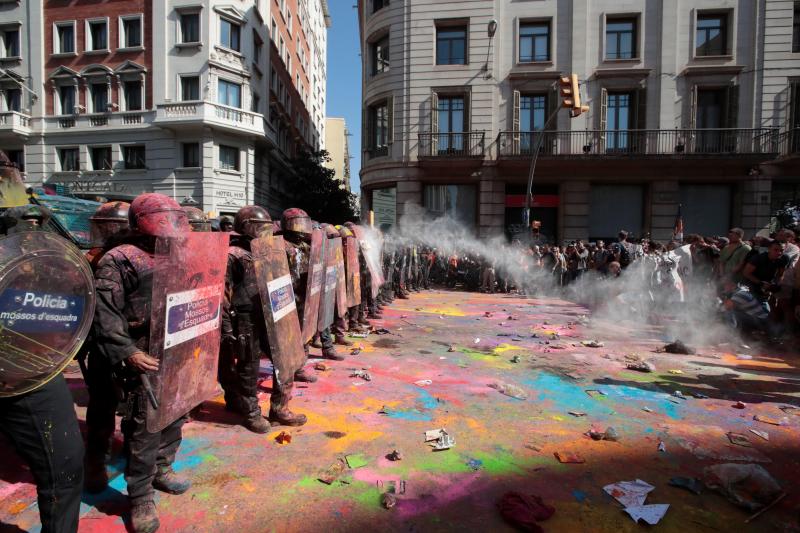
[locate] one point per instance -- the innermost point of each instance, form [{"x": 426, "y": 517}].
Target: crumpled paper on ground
[{"x": 630, "y": 493}]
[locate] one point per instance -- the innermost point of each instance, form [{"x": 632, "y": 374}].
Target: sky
[{"x": 344, "y": 78}]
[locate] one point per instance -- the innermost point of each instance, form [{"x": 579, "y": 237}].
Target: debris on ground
[
  {"x": 509, "y": 390},
  {"x": 791, "y": 410},
  {"x": 363, "y": 374},
  {"x": 577, "y": 413},
  {"x": 651, "y": 514},
  {"x": 283, "y": 438},
  {"x": 678, "y": 347},
  {"x": 763, "y": 434},
  {"x": 355, "y": 351},
  {"x": 632, "y": 495},
  {"x": 679, "y": 394},
  {"x": 592, "y": 392},
  {"x": 739, "y": 439},
  {"x": 357, "y": 335},
  {"x": 333, "y": 472},
  {"x": 647, "y": 409},
  {"x": 744, "y": 357},
  {"x": 641, "y": 366},
  {"x": 609, "y": 434},
  {"x": 477, "y": 340},
  {"x": 592, "y": 344},
  {"x": 675, "y": 371},
  {"x": 394, "y": 456},
  {"x": 382, "y": 331},
  {"x": 475, "y": 464},
  {"x": 515, "y": 359},
  {"x": 569, "y": 457},
  {"x": 388, "y": 500},
  {"x": 747, "y": 485},
  {"x": 322, "y": 367},
  {"x": 356, "y": 460},
  {"x": 451, "y": 348},
  {"x": 439, "y": 439},
  {"x": 524, "y": 511},
  {"x": 423, "y": 382},
  {"x": 739, "y": 405},
  {"x": 692, "y": 484},
  {"x": 771, "y": 421},
  {"x": 661, "y": 446}
]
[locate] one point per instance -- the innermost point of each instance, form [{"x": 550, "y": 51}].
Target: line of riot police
[{"x": 171, "y": 309}]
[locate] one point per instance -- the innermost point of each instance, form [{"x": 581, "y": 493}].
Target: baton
[{"x": 148, "y": 389}]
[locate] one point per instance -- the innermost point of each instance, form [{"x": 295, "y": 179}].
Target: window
[
  {"x": 229, "y": 93},
  {"x": 620, "y": 115},
  {"x": 532, "y": 111},
  {"x": 65, "y": 38},
  {"x": 69, "y": 159},
  {"x": 274, "y": 32},
  {"x": 534, "y": 42},
  {"x": 97, "y": 35},
  {"x": 133, "y": 95},
  {"x": 190, "y": 88},
  {"x": 131, "y": 32},
  {"x": 99, "y": 94},
  {"x": 712, "y": 35},
  {"x": 451, "y": 45},
  {"x": 289, "y": 22},
  {"x": 452, "y": 123},
  {"x": 458, "y": 202},
  {"x": 258, "y": 45},
  {"x": 133, "y": 157},
  {"x": 228, "y": 157},
  {"x": 254, "y": 103},
  {"x": 191, "y": 155},
  {"x": 13, "y": 99},
  {"x": 66, "y": 99},
  {"x": 377, "y": 5},
  {"x": 190, "y": 27},
  {"x": 10, "y": 42},
  {"x": 796, "y": 29},
  {"x": 18, "y": 158},
  {"x": 378, "y": 128},
  {"x": 101, "y": 157},
  {"x": 380, "y": 55},
  {"x": 621, "y": 38},
  {"x": 229, "y": 34}
]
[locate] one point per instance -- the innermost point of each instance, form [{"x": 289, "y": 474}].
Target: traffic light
[{"x": 571, "y": 93}]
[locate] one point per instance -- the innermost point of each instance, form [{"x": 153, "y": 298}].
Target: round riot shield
[{"x": 46, "y": 308}]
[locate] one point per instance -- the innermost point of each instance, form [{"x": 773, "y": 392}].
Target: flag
[{"x": 677, "y": 233}]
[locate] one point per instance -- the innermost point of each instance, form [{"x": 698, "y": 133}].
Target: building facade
[
  {"x": 338, "y": 147},
  {"x": 455, "y": 94},
  {"x": 172, "y": 96}
]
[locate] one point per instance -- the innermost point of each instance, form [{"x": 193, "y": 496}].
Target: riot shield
[
  {"x": 371, "y": 249},
  {"x": 277, "y": 300},
  {"x": 46, "y": 308},
  {"x": 328, "y": 300},
  {"x": 341, "y": 278},
  {"x": 188, "y": 285},
  {"x": 352, "y": 271},
  {"x": 315, "y": 283}
]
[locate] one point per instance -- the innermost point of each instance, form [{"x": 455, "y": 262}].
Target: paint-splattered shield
[
  {"x": 341, "y": 277},
  {"x": 188, "y": 285},
  {"x": 371, "y": 248},
  {"x": 277, "y": 299},
  {"x": 328, "y": 301},
  {"x": 352, "y": 272},
  {"x": 46, "y": 308},
  {"x": 315, "y": 284}
]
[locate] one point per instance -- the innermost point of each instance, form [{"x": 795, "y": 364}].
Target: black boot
[
  {"x": 144, "y": 517},
  {"x": 168, "y": 481}
]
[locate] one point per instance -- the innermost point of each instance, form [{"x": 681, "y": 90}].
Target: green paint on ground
[
  {"x": 308, "y": 482},
  {"x": 637, "y": 377},
  {"x": 210, "y": 458}
]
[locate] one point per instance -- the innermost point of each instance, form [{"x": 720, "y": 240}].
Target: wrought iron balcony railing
[
  {"x": 727, "y": 141},
  {"x": 789, "y": 142},
  {"x": 460, "y": 144}
]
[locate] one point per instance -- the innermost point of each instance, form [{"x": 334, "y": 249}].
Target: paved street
[{"x": 462, "y": 343}]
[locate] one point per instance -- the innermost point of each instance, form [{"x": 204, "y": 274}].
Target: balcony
[
  {"x": 789, "y": 143},
  {"x": 210, "y": 114},
  {"x": 637, "y": 143},
  {"x": 97, "y": 121},
  {"x": 14, "y": 123},
  {"x": 469, "y": 144}
]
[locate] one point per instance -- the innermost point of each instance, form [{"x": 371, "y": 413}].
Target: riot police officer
[
  {"x": 124, "y": 280},
  {"x": 108, "y": 227},
  {"x": 244, "y": 331},
  {"x": 296, "y": 228},
  {"x": 41, "y": 423},
  {"x": 198, "y": 220}
]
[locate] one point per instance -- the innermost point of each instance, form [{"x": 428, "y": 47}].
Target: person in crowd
[
  {"x": 763, "y": 272},
  {"x": 732, "y": 256},
  {"x": 747, "y": 312}
]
